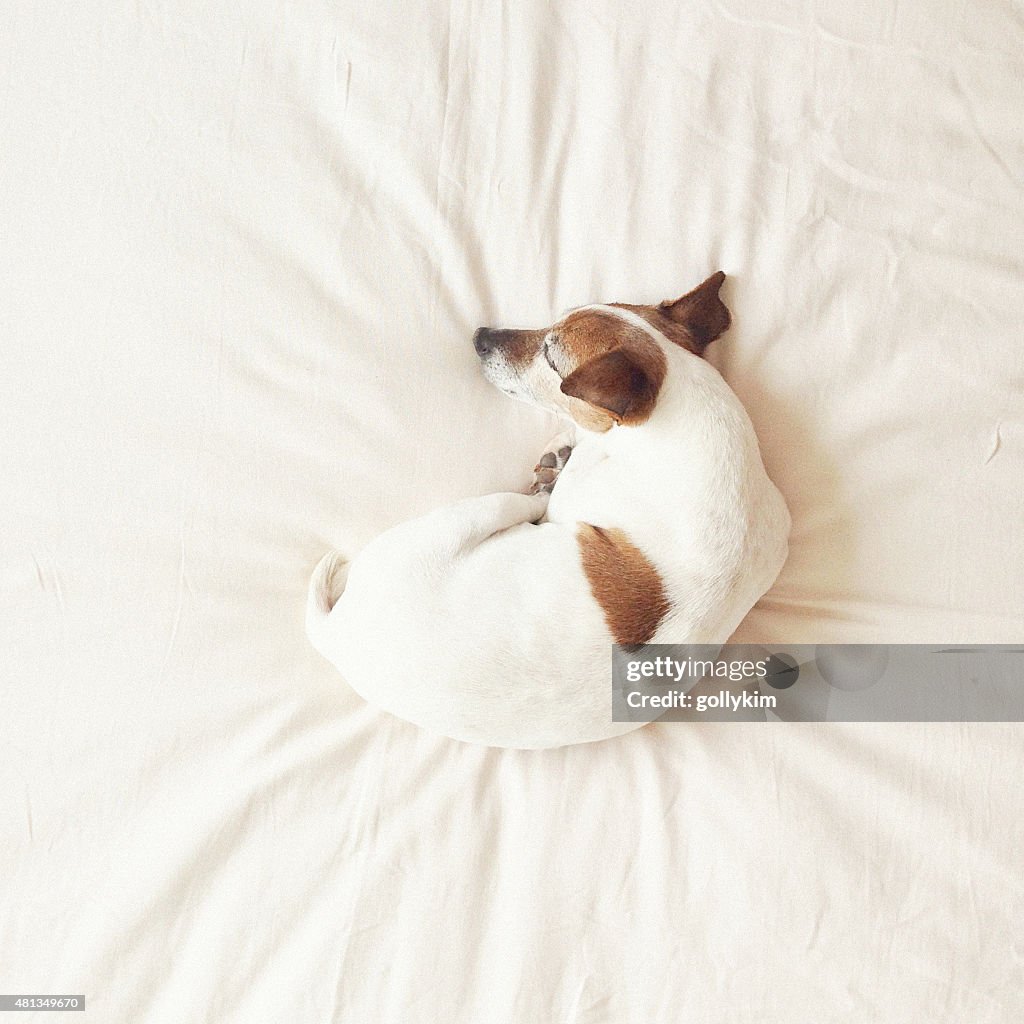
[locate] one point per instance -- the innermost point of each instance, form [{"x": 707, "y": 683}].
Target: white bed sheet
[{"x": 243, "y": 250}]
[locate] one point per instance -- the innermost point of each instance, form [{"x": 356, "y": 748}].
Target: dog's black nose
[{"x": 482, "y": 341}]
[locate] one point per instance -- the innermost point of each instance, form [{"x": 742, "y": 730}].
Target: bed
[{"x": 244, "y": 250}]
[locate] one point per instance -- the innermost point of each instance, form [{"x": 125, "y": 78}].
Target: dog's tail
[{"x": 325, "y": 587}]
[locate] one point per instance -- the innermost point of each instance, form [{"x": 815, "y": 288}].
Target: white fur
[{"x": 477, "y": 622}]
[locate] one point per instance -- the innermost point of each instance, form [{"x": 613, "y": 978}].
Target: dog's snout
[{"x": 483, "y": 341}]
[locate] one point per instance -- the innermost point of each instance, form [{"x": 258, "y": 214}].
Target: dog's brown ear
[
  {"x": 619, "y": 383},
  {"x": 701, "y": 313}
]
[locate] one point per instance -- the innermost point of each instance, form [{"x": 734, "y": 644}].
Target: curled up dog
[{"x": 651, "y": 520}]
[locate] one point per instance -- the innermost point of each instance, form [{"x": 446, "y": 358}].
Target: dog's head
[{"x": 602, "y": 365}]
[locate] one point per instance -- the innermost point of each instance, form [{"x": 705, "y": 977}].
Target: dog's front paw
[{"x": 552, "y": 462}]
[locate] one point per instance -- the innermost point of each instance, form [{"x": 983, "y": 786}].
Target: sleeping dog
[{"x": 651, "y": 520}]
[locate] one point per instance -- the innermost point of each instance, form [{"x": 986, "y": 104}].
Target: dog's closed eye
[{"x": 549, "y": 355}]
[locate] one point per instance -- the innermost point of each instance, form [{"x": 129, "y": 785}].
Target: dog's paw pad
[{"x": 545, "y": 473}]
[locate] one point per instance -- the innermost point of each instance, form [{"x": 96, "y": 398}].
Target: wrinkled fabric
[{"x": 244, "y": 248}]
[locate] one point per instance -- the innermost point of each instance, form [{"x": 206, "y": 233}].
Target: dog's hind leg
[
  {"x": 470, "y": 522},
  {"x": 440, "y": 536},
  {"x": 417, "y": 549}
]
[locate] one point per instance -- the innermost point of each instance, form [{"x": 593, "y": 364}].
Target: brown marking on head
[
  {"x": 596, "y": 366},
  {"x": 693, "y": 321},
  {"x": 624, "y": 583},
  {"x": 618, "y": 370},
  {"x": 587, "y": 416}
]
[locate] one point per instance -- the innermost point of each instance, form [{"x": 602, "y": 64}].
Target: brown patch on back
[
  {"x": 624, "y": 583},
  {"x": 619, "y": 369}
]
